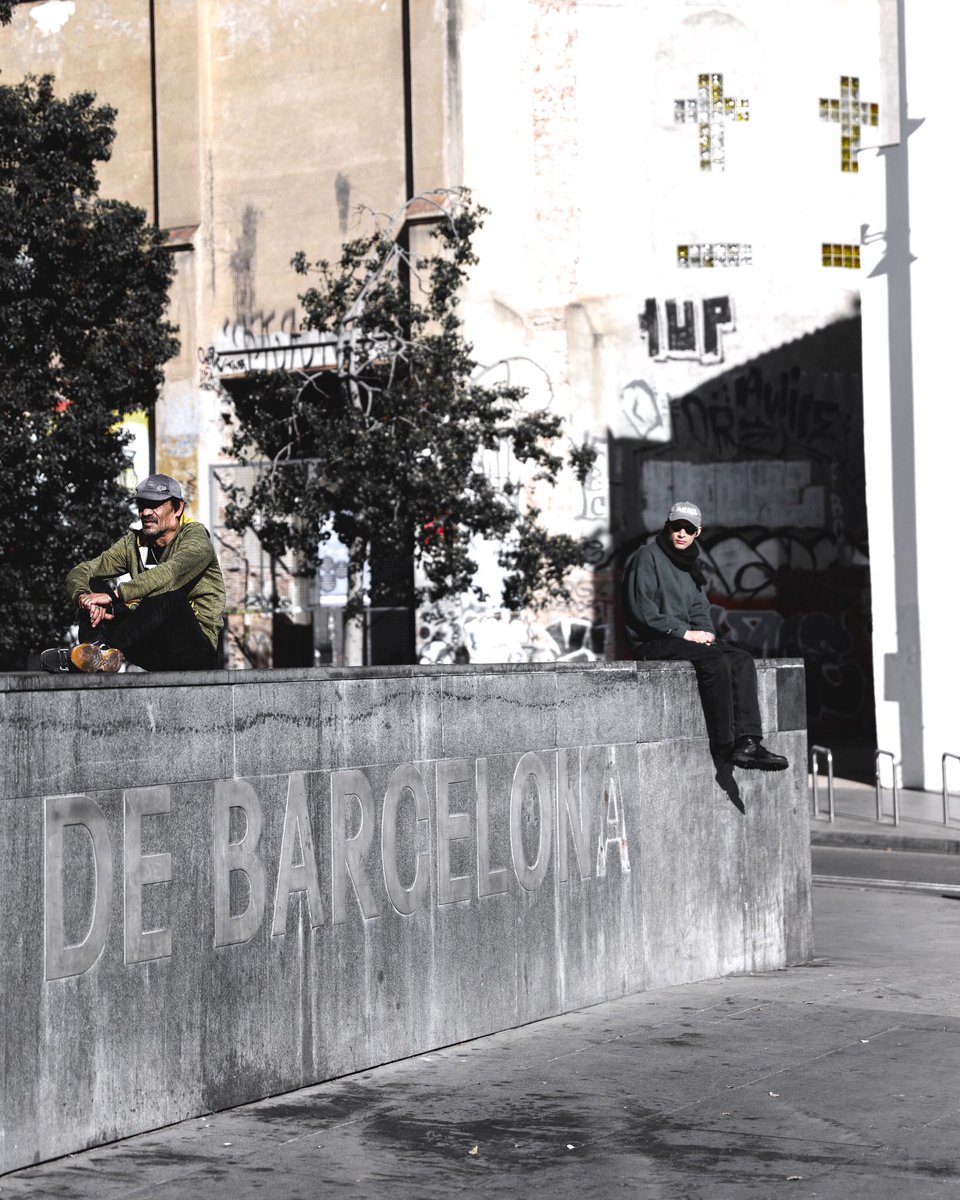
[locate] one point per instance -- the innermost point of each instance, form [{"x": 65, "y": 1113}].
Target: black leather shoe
[
  {"x": 57, "y": 660},
  {"x": 751, "y": 754}
]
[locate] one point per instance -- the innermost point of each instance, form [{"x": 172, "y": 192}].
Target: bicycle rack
[
  {"x": 946, "y": 794},
  {"x": 815, "y": 752},
  {"x": 896, "y": 791}
]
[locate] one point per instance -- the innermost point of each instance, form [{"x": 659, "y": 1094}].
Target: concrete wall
[{"x": 223, "y": 886}]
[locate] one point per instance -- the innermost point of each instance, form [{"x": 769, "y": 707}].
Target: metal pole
[
  {"x": 815, "y": 751},
  {"x": 896, "y": 791},
  {"x": 946, "y": 794}
]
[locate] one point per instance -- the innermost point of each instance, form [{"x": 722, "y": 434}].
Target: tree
[
  {"x": 384, "y": 449},
  {"x": 83, "y": 288}
]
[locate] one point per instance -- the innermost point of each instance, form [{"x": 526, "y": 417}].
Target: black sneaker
[
  {"x": 751, "y": 754},
  {"x": 56, "y": 659}
]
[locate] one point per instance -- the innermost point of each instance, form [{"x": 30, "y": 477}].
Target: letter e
[{"x": 140, "y": 869}]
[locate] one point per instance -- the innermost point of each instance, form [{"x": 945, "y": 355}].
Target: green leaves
[
  {"x": 386, "y": 448},
  {"x": 83, "y": 340}
]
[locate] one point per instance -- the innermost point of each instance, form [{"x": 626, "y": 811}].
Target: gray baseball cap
[
  {"x": 157, "y": 488},
  {"x": 685, "y": 510}
]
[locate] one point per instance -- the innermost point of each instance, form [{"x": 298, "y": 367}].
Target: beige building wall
[
  {"x": 249, "y": 131},
  {"x": 274, "y": 122}
]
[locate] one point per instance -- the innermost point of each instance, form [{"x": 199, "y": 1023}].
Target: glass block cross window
[
  {"x": 852, "y": 114},
  {"x": 710, "y": 110}
]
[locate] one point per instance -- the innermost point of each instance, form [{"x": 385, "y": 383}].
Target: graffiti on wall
[
  {"x": 785, "y": 594},
  {"x": 687, "y": 329},
  {"x": 478, "y": 633},
  {"x": 596, "y": 493},
  {"x": 647, "y": 412},
  {"x": 773, "y": 453},
  {"x": 242, "y": 263},
  {"x": 264, "y": 343},
  {"x": 771, "y": 413}
]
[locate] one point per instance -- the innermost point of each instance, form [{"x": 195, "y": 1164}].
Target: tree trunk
[{"x": 353, "y": 626}]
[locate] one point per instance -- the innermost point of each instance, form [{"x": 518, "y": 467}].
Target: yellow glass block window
[
  {"x": 851, "y": 114},
  {"x": 711, "y": 109},
  {"x": 840, "y": 254},
  {"x": 714, "y": 254}
]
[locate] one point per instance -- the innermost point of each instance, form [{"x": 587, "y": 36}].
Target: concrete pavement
[
  {"x": 921, "y": 819},
  {"x": 835, "y": 1080}
]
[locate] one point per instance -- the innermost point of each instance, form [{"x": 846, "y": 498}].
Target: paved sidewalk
[
  {"x": 838, "y": 1080},
  {"x": 855, "y": 804}
]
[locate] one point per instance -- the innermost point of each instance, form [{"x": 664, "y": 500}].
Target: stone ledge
[{"x": 212, "y": 893}]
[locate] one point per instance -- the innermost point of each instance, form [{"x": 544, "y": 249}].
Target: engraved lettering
[
  {"x": 489, "y": 883},
  {"x": 573, "y": 816},
  {"x": 236, "y": 856},
  {"x": 451, "y": 827},
  {"x": 405, "y": 900},
  {"x": 613, "y": 829},
  {"x": 531, "y": 875},
  {"x": 61, "y": 960},
  {"x": 139, "y": 869},
  {"x": 296, "y": 876},
  {"x": 349, "y": 853}
]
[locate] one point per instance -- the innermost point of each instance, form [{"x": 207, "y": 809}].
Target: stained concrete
[
  {"x": 826, "y": 1081},
  {"x": 258, "y": 917}
]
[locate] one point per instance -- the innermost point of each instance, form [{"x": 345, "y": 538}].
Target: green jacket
[
  {"x": 660, "y": 600},
  {"x": 189, "y": 557}
]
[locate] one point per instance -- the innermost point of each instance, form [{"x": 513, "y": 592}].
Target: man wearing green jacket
[
  {"x": 667, "y": 616},
  {"x": 166, "y": 611}
]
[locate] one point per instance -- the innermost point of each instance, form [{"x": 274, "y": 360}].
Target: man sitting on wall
[
  {"x": 667, "y": 616},
  {"x": 166, "y": 613}
]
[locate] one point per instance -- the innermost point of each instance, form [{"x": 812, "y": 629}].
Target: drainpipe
[{"x": 155, "y": 163}]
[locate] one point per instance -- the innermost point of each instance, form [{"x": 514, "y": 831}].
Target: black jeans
[
  {"x": 161, "y": 634},
  {"x": 727, "y": 679}
]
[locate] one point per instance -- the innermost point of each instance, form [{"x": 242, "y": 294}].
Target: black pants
[
  {"x": 727, "y": 679},
  {"x": 161, "y": 634}
]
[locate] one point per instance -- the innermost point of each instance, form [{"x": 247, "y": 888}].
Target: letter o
[{"x": 531, "y": 875}]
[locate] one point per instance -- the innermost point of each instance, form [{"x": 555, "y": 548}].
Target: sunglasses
[{"x": 676, "y": 526}]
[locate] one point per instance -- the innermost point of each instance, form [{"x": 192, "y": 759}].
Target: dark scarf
[{"x": 686, "y": 560}]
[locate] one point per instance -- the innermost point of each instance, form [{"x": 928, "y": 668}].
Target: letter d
[{"x": 61, "y": 960}]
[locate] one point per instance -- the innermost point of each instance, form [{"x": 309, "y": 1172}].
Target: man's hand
[
  {"x": 701, "y": 636},
  {"x": 97, "y": 605}
]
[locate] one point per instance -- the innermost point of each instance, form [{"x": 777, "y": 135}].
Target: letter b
[{"x": 236, "y": 856}]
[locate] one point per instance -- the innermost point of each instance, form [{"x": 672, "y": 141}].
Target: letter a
[
  {"x": 302, "y": 876},
  {"x": 613, "y": 829}
]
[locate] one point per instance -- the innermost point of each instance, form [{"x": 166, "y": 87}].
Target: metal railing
[
  {"x": 815, "y": 752},
  {"x": 896, "y": 790},
  {"x": 819, "y": 754},
  {"x": 946, "y": 793}
]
